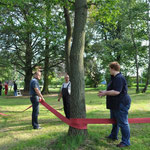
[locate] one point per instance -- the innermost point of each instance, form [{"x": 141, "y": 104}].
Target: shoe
[
  {"x": 121, "y": 145},
  {"x": 109, "y": 138}
]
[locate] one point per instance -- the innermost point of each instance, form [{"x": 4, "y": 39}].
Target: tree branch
[
  {"x": 71, "y": 2},
  {"x": 54, "y": 65},
  {"x": 20, "y": 72}
]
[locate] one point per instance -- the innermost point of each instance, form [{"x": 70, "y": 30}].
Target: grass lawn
[{"x": 16, "y": 132}]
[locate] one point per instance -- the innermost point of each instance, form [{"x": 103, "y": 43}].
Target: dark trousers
[
  {"x": 35, "y": 111},
  {"x": 66, "y": 103},
  {"x": 121, "y": 117}
]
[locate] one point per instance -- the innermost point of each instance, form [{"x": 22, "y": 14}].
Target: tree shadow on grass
[
  {"x": 34, "y": 142},
  {"x": 94, "y": 141},
  {"x": 26, "y": 125},
  {"x": 11, "y": 102}
]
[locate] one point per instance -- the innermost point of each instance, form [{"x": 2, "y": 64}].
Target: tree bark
[
  {"x": 77, "y": 104},
  {"x": 68, "y": 39},
  {"x": 46, "y": 68},
  {"x": 148, "y": 69},
  {"x": 47, "y": 49},
  {"x": 28, "y": 54},
  {"x": 28, "y": 60}
]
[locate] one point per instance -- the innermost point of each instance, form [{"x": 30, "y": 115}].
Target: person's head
[
  {"x": 114, "y": 67},
  {"x": 67, "y": 78},
  {"x": 37, "y": 75}
]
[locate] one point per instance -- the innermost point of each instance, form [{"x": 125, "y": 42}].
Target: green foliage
[
  {"x": 27, "y": 27},
  {"x": 106, "y": 11},
  {"x": 93, "y": 73},
  {"x": 109, "y": 34},
  {"x": 28, "y": 24},
  {"x": 7, "y": 71},
  {"x": 57, "y": 81}
]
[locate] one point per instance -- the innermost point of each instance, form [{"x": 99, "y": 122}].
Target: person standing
[
  {"x": 6, "y": 88},
  {"x": 1, "y": 88},
  {"x": 65, "y": 94},
  {"x": 35, "y": 95},
  {"x": 15, "y": 89},
  {"x": 118, "y": 101}
]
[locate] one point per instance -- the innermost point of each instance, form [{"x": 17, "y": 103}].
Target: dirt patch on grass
[{"x": 27, "y": 96}]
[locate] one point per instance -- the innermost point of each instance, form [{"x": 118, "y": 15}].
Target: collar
[{"x": 112, "y": 77}]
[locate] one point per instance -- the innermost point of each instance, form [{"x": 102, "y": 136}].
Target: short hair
[
  {"x": 66, "y": 75},
  {"x": 115, "y": 65},
  {"x": 36, "y": 73}
]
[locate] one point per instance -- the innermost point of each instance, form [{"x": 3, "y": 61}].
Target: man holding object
[{"x": 35, "y": 95}]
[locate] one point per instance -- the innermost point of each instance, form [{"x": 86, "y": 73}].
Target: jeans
[
  {"x": 121, "y": 117},
  {"x": 15, "y": 92},
  {"x": 35, "y": 111}
]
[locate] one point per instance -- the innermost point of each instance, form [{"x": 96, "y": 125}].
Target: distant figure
[
  {"x": 6, "y": 88},
  {"x": 35, "y": 95},
  {"x": 15, "y": 89},
  {"x": 1, "y": 86},
  {"x": 65, "y": 94}
]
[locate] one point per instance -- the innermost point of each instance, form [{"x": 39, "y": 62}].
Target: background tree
[
  {"x": 23, "y": 38},
  {"x": 53, "y": 41},
  {"x": 148, "y": 34}
]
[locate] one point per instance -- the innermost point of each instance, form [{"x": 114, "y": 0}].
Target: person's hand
[
  {"x": 43, "y": 99},
  {"x": 58, "y": 99},
  {"x": 101, "y": 93}
]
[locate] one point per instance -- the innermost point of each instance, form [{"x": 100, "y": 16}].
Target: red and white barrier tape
[
  {"x": 3, "y": 114},
  {"x": 81, "y": 123}
]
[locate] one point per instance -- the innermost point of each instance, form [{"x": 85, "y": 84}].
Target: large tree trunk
[
  {"x": 68, "y": 39},
  {"x": 77, "y": 104},
  {"x": 28, "y": 55},
  {"x": 27, "y": 79},
  {"x": 28, "y": 67},
  {"x": 148, "y": 32},
  {"x": 47, "y": 49},
  {"x": 46, "y": 69}
]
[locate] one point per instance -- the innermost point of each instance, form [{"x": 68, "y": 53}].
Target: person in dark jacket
[
  {"x": 118, "y": 101},
  {"x": 65, "y": 94},
  {"x": 1, "y": 87},
  {"x": 15, "y": 89}
]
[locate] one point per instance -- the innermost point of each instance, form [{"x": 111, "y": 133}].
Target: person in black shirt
[
  {"x": 118, "y": 101},
  {"x": 1, "y": 88},
  {"x": 65, "y": 94},
  {"x": 15, "y": 89}
]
